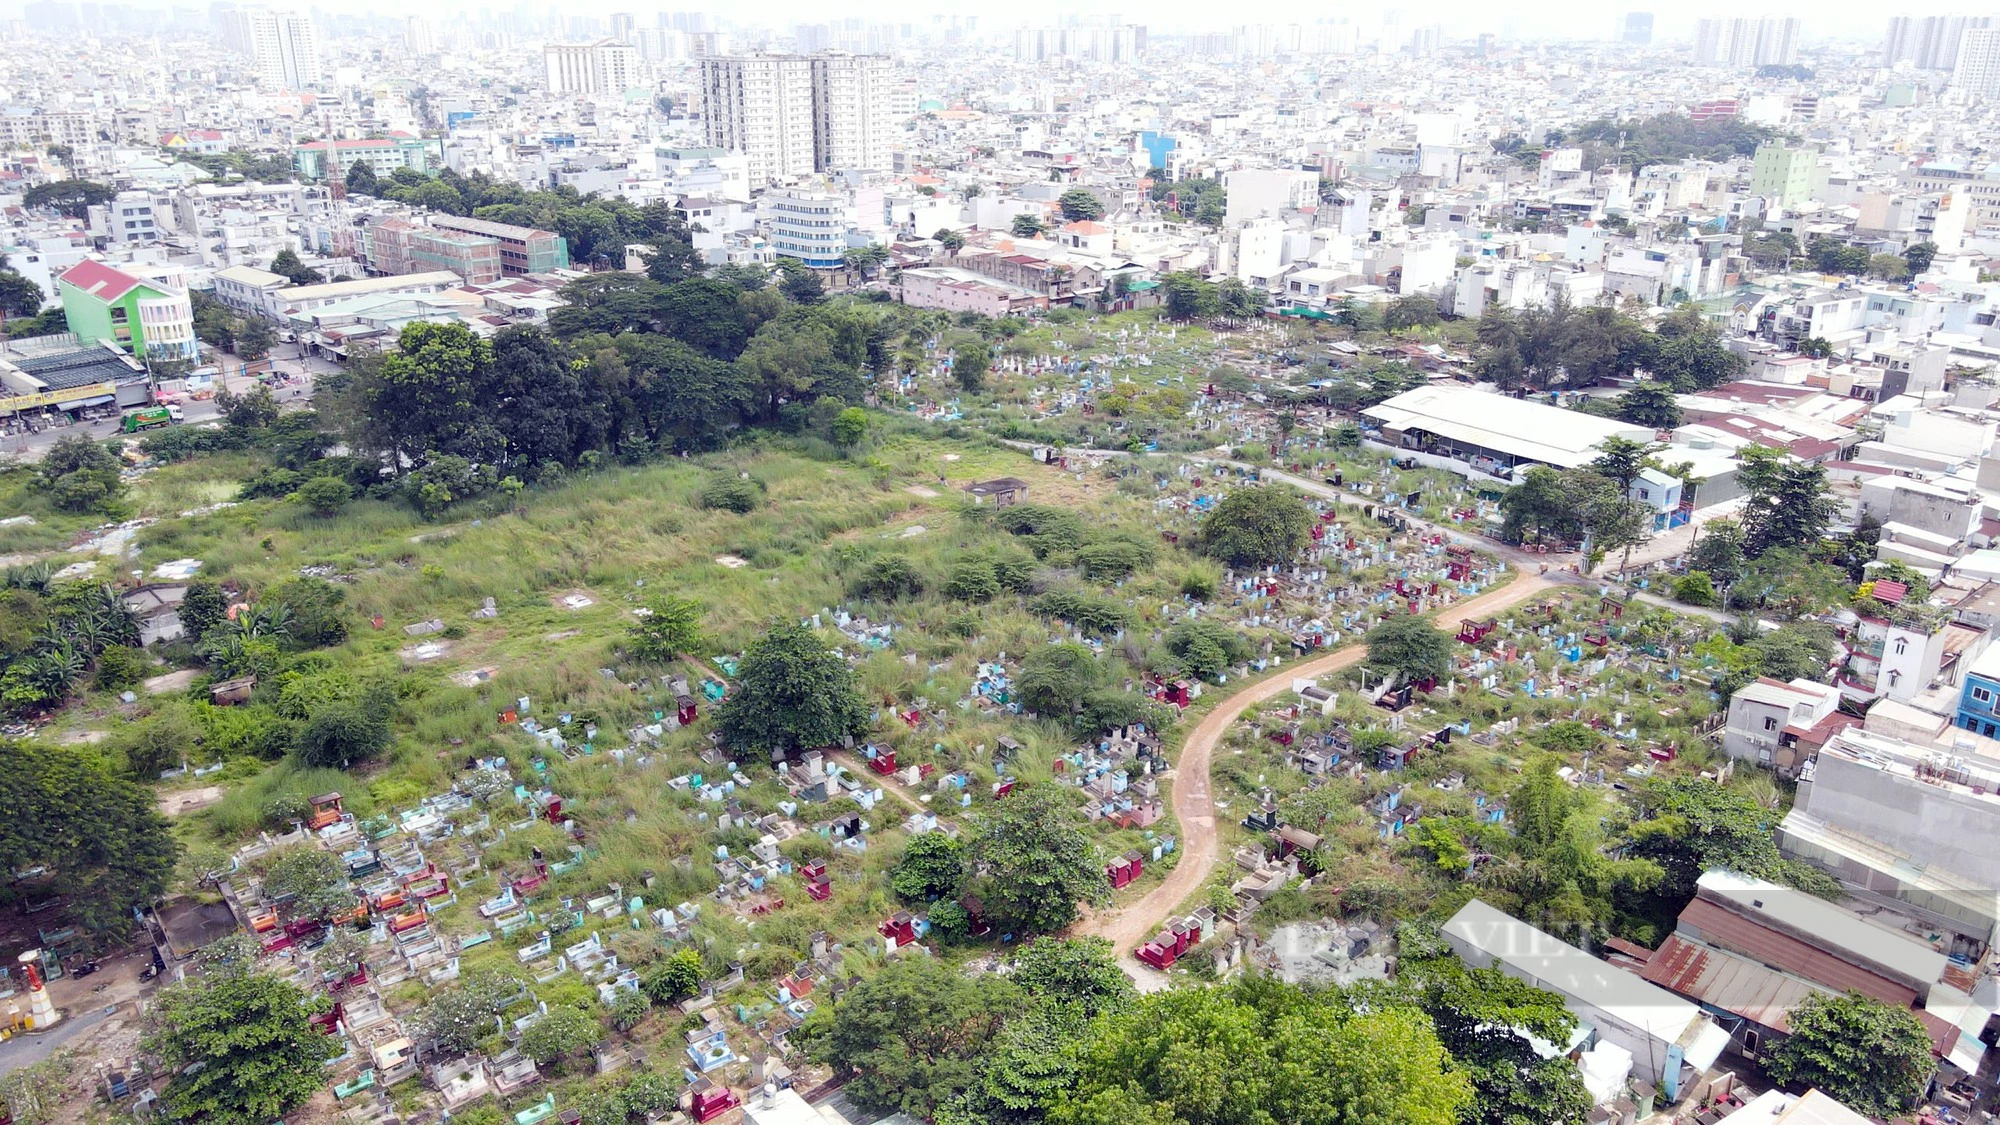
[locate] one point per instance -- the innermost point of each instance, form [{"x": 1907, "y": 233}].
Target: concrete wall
[{"x": 1938, "y": 825}]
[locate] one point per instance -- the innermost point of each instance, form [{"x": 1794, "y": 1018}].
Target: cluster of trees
[
  {"x": 250, "y": 338},
  {"x": 223, "y": 166},
  {"x": 598, "y": 228},
  {"x": 1027, "y": 861},
  {"x": 81, "y": 475},
  {"x": 1063, "y": 1039},
  {"x": 55, "y": 637},
  {"x": 1775, "y": 557},
  {"x": 1080, "y": 204},
  {"x": 1187, "y": 295},
  {"x": 1198, "y": 198},
  {"x": 1593, "y": 501},
  {"x": 19, "y": 297},
  {"x": 97, "y": 840},
  {"x": 1553, "y": 344},
  {"x": 1663, "y": 139}
]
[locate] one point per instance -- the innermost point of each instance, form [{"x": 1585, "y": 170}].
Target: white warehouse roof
[{"x": 1531, "y": 431}]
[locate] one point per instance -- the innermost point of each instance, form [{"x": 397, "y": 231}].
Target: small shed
[
  {"x": 228, "y": 693},
  {"x": 1002, "y": 491}
]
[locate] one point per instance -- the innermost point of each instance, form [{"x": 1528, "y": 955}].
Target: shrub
[
  {"x": 972, "y": 580},
  {"x": 741, "y": 495},
  {"x": 1113, "y": 559},
  {"x": 1694, "y": 588},
  {"x": 1206, "y": 648},
  {"x": 1049, "y": 531},
  {"x": 1092, "y": 613},
  {"x": 887, "y": 578}
]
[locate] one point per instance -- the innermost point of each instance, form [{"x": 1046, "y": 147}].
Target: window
[
  {"x": 1902, "y": 645},
  {"x": 1981, "y": 695},
  {"x": 1770, "y": 723}
]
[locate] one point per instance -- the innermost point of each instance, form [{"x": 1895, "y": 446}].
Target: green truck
[{"x": 148, "y": 418}]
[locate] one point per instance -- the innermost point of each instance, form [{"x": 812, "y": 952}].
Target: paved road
[
  {"x": 1194, "y": 804},
  {"x": 32, "y": 447},
  {"x": 27, "y": 1050}
]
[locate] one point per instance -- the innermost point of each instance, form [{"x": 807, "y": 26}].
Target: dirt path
[
  {"x": 1194, "y": 807},
  {"x": 889, "y": 785}
]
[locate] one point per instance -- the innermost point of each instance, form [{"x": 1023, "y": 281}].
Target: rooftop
[{"x": 1563, "y": 438}]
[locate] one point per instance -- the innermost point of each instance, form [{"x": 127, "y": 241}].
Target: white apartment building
[
  {"x": 604, "y": 67},
  {"x": 1928, "y": 42},
  {"x": 1977, "y": 68},
  {"x": 810, "y": 226},
  {"x": 853, "y": 124},
  {"x": 1770, "y": 41},
  {"x": 762, "y": 107},
  {"x": 792, "y": 115},
  {"x": 285, "y": 45}
]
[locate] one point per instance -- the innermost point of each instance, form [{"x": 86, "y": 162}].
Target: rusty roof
[
  {"x": 1728, "y": 930},
  {"x": 1736, "y": 985}
]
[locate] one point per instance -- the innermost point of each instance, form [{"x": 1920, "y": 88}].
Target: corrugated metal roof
[
  {"x": 1720, "y": 927},
  {"x": 1722, "y": 980}
]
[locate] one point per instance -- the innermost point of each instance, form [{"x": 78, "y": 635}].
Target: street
[{"x": 32, "y": 447}]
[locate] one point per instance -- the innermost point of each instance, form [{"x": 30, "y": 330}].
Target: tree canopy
[
  {"x": 102, "y": 842},
  {"x": 1870, "y": 1056},
  {"x": 792, "y": 693},
  {"x": 1255, "y": 527},
  {"x": 242, "y": 1047}
]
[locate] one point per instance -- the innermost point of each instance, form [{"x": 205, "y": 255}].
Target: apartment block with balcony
[
  {"x": 523, "y": 250},
  {"x": 808, "y": 226}
]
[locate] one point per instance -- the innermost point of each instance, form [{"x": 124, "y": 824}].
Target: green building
[
  {"x": 146, "y": 318},
  {"x": 1783, "y": 174}
]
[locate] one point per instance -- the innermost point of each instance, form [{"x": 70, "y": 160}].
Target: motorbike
[{"x": 85, "y": 969}]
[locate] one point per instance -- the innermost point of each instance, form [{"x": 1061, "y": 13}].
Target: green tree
[
  {"x": 1026, "y": 226},
  {"x": 1695, "y": 588},
  {"x": 912, "y": 1037},
  {"x": 1410, "y": 646},
  {"x": 670, "y": 627},
  {"x": 1080, "y": 973},
  {"x": 792, "y": 692},
  {"x": 361, "y": 179},
  {"x": 1870, "y": 1056},
  {"x": 18, "y": 295},
  {"x": 1189, "y": 296},
  {"x": 1206, "y": 649},
  {"x": 1789, "y": 505},
  {"x": 1489, "y": 1023},
  {"x": 1038, "y": 862},
  {"x": 458, "y": 1018},
  {"x": 32, "y": 1094},
  {"x": 259, "y": 1054},
  {"x": 675, "y": 978},
  {"x": 970, "y": 361},
  {"x": 1650, "y": 404},
  {"x": 932, "y": 867},
  {"x": 337, "y": 735},
  {"x": 1620, "y": 460},
  {"x": 288, "y": 265},
  {"x": 1719, "y": 552},
  {"x": 325, "y": 496},
  {"x": 887, "y": 578},
  {"x": 80, "y": 475},
  {"x": 1055, "y": 679},
  {"x": 1255, "y": 527},
  {"x": 252, "y": 339},
  {"x": 102, "y": 842},
  {"x": 1415, "y": 310},
  {"x": 1080, "y": 204},
  {"x": 1690, "y": 825},
  {"x": 850, "y": 427},
  {"x": 952, "y": 241},
  {"x": 1919, "y": 256},
  {"x": 564, "y": 1031},
  {"x": 311, "y": 879},
  {"x": 203, "y": 607},
  {"x": 73, "y": 198}
]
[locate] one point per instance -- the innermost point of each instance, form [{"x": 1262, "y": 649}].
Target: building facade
[
  {"x": 317, "y": 161},
  {"x": 285, "y": 45},
  {"x": 605, "y": 67},
  {"x": 522, "y": 249},
  {"x": 1783, "y": 174},
  {"x": 148, "y": 318},
  {"x": 808, "y": 226},
  {"x": 1770, "y": 41},
  {"x": 793, "y": 115}
]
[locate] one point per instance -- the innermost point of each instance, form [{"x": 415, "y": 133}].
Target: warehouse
[{"x": 1492, "y": 433}]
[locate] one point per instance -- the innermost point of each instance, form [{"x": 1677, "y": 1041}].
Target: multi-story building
[
  {"x": 1783, "y": 174},
  {"x": 1638, "y": 29},
  {"x": 150, "y": 318},
  {"x": 762, "y": 107},
  {"x": 608, "y": 66},
  {"x": 852, "y": 126},
  {"x": 807, "y": 225},
  {"x": 321, "y": 160},
  {"x": 1976, "y": 69},
  {"x": 522, "y": 249},
  {"x": 398, "y": 246},
  {"x": 1770, "y": 41},
  {"x": 792, "y": 115},
  {"x": 1928, "y": 42},
  {"x": 284, "y": 44}
]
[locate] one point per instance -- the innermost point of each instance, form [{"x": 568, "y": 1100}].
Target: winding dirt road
[{"x": 1194, "y": 806}]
